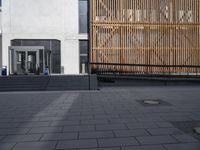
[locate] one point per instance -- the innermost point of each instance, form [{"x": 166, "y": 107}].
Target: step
[{"x": 38, "y": 83}]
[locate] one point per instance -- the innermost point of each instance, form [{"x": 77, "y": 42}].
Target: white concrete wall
[
  {"x": 0, "y": 42},
  {"x": 0, "y": 53},
  {"x": 44, "y": 19}
]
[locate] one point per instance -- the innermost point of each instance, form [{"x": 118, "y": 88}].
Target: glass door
[
  {"x": 20, "y": 62},
  {"x": 31, "y": 62},
  {"x": 26, "y": 62}
]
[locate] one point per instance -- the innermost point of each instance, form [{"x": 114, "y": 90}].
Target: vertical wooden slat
[{"x": 147, "y": 32}]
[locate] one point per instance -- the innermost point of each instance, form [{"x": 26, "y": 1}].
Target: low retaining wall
[
  {"x": 147, "y": 81},
  {"x": 48, "y": 83}
]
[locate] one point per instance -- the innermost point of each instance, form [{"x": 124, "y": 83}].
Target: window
[
  {"x": 83, "y": 16},
  {"x": 84, "y": 60}
]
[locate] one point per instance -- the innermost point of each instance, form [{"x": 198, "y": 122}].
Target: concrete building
[
  {"x": 127, "y": 36},
  {"x": 45, "y": 33},
  {"x": 0, "y": 36}
]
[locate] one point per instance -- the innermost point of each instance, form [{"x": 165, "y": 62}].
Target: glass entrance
[
  {"x": 32, "y": 62},
  {"x": 29, "y": 60},
  {"x": 21, "y": 62},
  {"x": 26, "y": 62}
]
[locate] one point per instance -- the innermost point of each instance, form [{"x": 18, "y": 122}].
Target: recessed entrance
[{"x": 29, "y": 59}]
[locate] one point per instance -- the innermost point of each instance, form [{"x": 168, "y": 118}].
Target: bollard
[
  {"x": 4, "y": 71},
  {"x": 46, "y": 71}
]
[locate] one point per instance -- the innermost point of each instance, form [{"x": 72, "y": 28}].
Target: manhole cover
[
  {"x": 197, "y": 130},
  {"x": 151, "y": 102}
]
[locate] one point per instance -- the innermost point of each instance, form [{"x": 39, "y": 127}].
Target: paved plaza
[{"x": 109, "y": 119}]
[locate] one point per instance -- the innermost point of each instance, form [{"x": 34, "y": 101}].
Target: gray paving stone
[
  {"x": 102, "y": 149},
  {"x": 164, "y": 124},
  {"x": 196, "y": 117},
  {"x": 34, "y": 124},
  {"x": 156, "y": 139},
  {"x": 59, "y": 136},
  {"x": 80, "y": 117},
  {"x": 117, "y": 142},
  {"x": 176, "y": 118},
  {"x": 35, "y": 146},
  {"x": 149, "y": 119},
  {"x": 90, "y": 143},
  {"x": 126, "y": 116},
  {"x": 6, "y": 146},
  {"x": 129, "y": 120},
  {"x": 128, "y": 133},
  {"x": 111, "y": 127},
  {"x": 187, "y": 146},
  {"x": 46, "y": 129},
  {"x": 9, "y": 120},
  {"x": 65, "y": 123},
  {"x": 96, "y": 134},
  {"x": 9, "y": 125},
  {"x": 79, "y": 128},
  {"x": 149, "y": 147},
  {"x": 165, "y": 131},
  {"x": 106, "y": 116},
  {"x": 1, "y": 137},
  {"x": 185, "y": 138},
  {"x": 27, "y": 119},
  {"x": 94, "y": 122},
  {"x": 142, "y": 125},
  {"x": 56, "y": 118},
  {"x": 22, "y": 138},
  {"x": 46, "y": 114},
  {"x": 9, "y": 131}
]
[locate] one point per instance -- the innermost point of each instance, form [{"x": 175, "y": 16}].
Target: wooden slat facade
[{"x": 155, "y": 36}]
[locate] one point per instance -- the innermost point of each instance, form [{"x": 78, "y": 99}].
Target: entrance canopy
[{"x": 25, "y": 48}]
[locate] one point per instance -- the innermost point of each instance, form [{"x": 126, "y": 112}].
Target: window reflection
[{"x": 83, "y": 16}]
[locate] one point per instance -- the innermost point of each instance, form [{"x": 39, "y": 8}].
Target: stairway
[{"x": 48, "y": 83}]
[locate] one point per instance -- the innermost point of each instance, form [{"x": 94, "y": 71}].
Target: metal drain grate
[{"x": 153, "y": 102}]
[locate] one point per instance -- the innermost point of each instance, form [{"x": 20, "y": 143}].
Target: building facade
[
  {"x": 45, "y": 33},
  {"x": 0, "y": 35},
  {"x": 126, "y": 36}
]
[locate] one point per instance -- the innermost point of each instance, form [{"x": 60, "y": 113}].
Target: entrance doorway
[{"x": 29, "y": 59}]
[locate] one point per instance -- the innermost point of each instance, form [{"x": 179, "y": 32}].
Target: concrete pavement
[{"x": 109, "y": 119}]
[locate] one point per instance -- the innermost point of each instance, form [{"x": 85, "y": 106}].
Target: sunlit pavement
[{"x": 110, "y": 119}]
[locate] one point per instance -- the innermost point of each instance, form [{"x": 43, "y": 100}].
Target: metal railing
[{"x": 151, "y": 70}]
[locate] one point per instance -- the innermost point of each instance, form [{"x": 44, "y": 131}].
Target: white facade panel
[
  {"x": 71, "y": 65},
  {"x": 37, "y": 16},
  {"x": 0, "y": 39}
]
